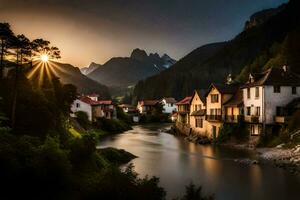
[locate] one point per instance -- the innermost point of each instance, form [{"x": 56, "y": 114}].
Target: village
[{"x": 263, "y": 105}]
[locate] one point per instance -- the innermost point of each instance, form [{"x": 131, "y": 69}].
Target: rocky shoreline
[
  {"x": 288, "y": 159},
  {"x": 285, "y": 158}
]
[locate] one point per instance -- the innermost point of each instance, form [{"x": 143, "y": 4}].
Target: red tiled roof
[
  {"x": 93, "y": 103},
  {"x": 184, "y": 101},
  {"x": 148, "y": 102}
]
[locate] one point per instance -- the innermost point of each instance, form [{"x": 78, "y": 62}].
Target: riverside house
[
  {"x": 183, "y": 110},
  {"x": 234, "y": 110},
  {"x": 94, "y": 108},
  {"x": 169, "y": 105},
  {"x": 198, "y": 123},
  {"x": 146, "y": 106},
  {"x": 266, "y": 95},
  {"x": 217, "y": 96}
]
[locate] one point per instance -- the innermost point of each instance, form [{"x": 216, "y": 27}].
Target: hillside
[
  {"x": 123, "y": 72},
  {"x": 69, "y": 74},
  {"x": 198, "y": 70}
]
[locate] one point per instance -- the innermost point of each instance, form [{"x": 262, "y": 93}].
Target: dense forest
[
  {"x": 39, "y": 157},
  {"x": 272, "y": 42}
]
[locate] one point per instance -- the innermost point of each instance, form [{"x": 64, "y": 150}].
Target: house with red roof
[
  {"x": 94, "y": 108},
  {"x": 183, "y": 110}
]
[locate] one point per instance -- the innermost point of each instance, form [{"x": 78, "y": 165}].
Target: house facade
[
  {"x": 146, "y": 106},
  {"x": 216, "y": 97},
  {"x": 234, "y": 108},
  {"x": 94, "y": 109},
  {"x": 127, "y": 108},
  {"x": 183, "y": 110},
  {"x": 169, "y": 105},
  {"x": 266, "y": 95},
  {"x": 197, "y": 114}
]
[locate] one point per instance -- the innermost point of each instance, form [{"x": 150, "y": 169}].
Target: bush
[
  {"x": 83, "y": 119},
  {"x": 112, "y": 125},
  {"x": 193, "y": 192}
]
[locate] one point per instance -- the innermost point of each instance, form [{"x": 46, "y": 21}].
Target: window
[
  {"x": 257, "y": 92},
  {"x": 214, "y": 98},
  {"x": 249, "y": 110},
  {"x": 294, "y": 90},
  {"x": 276, "y": 89},
  {"x": 279, "y": 111},
  {"x": 77, "y": 105},
  {"x": 199, "y": 122},
  {"x": 248, "y": 93},
  {"x": 257, "y": 111}
]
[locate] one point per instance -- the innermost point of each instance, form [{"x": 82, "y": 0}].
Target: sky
[{"x": 96, "y": 30}]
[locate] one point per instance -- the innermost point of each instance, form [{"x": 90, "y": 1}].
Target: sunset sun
[{"x": 44, "y": 58}]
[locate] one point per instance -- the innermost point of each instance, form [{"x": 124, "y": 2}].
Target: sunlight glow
[{"x": 44, "y": 58}]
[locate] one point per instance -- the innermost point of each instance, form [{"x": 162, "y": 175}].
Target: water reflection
[{"x": 178, "y": 162}]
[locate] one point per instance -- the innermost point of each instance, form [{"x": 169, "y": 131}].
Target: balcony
[
  {"x": 252, "y": 119},
  {"x": 281, "y": 119},
  {"x": 214, "y": 117},
  {"x": 232, "y": 118}
]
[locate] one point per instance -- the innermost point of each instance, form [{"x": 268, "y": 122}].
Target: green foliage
[
  {"x": 82, "y": 119},
  {"x": 121, "y": 115},
  {"x": 112, "y": 125},
  {"x": 225, "y": 133},
  {"x": 294, "y": 122},
  {"x": 116, "y": 156},
  {"x": 192, "y": 192}
]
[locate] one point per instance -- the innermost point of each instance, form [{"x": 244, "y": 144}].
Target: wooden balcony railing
[
  {"x": 252, "y": 119},
  {"x": 214, "y": 117},
  {"x": 232, "y": 118},
  {"x": 281, "y": 119}
]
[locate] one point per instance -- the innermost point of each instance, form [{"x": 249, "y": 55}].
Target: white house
[
  {"x": 169, "y": 105},
  {"x": 265, "y": 95},
  {"x": 94, "y": 108}
]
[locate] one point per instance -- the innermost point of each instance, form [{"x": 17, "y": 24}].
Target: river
[{"x": 178, "y": 162}]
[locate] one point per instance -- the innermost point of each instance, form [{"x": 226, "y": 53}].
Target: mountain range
[
  {"x": 68, "y": 74},
  {"x": 266, "y": 41},
  {"x": 127, "y": 71}
]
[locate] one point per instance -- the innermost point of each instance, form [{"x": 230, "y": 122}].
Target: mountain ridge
[
  {"x": 127, "y": 71},
  {"x": 197, "y": 70}
]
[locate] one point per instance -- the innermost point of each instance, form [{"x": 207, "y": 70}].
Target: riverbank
[{"x": 285, "y": 158}]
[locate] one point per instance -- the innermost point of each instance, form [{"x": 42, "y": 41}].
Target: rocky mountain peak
[{"x": 139, "y": 54}]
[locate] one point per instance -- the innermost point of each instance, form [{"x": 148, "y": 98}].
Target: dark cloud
[{"x": 97, "y": 30}]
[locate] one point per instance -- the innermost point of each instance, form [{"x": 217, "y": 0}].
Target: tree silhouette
[
  {"x": 22, "y": 47},
  {"x": 6, "y": 35}
]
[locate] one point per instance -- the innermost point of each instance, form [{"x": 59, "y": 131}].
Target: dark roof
[
  {"x": 170, "y": 100},
  {"x": 185, "y": 101},
  {"x": 294, "y": 104},
  {"x": 235, "y": 100},
  {"x": 201, "y": 94},
  {"x": 224, "y": 88},
  {"x": 201, "y": 112},
  {"x": 273, "y": 76},
  {"x": 148, "y": 102}
]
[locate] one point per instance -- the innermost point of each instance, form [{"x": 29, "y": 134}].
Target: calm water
[{"x": 178, "y": 162}]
